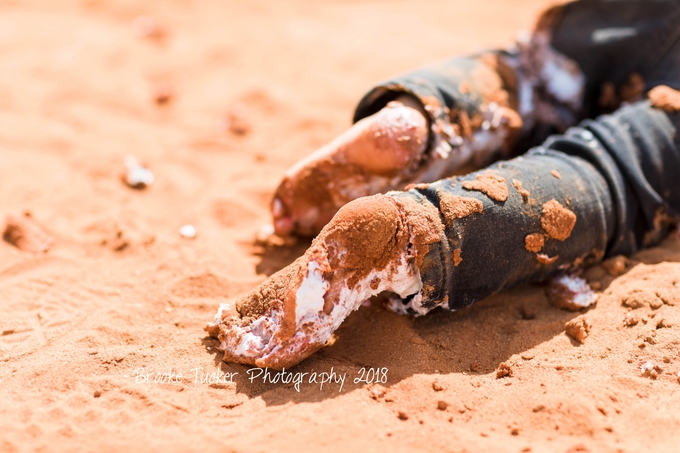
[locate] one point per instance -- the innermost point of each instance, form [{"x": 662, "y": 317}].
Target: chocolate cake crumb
[
  {"x": 615, "y": 266},
  {"x": 663, "y": 323},
  {"x": 25, "y": 234},
  {"x": 631, "y": 320},
  {"x": 438, "y": 386}
]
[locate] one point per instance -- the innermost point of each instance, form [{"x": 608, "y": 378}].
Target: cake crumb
[
  {"x": 456, "y": 257},
  {"x": 631, "y": 320}
]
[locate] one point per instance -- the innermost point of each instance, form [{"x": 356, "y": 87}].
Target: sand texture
[{"x": 217, "y": 99}]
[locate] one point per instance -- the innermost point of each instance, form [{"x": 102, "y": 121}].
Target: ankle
[{"x": 390, "y": 141}]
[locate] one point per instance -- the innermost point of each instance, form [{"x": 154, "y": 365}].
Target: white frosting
[
  {"x": 566, "y": 86},
  {"x": 402, "y": 279},
  {"x": 479, "y": 149},
  {"x": 526, "y": 100},
  {"x": 218, "y": 316},
  {"x": 582, "y": 294},
  {"x": 309, "y": 297},
  {"x": 539, "y": 67},
  {"x": 188, "y": 231},
  {"x": 137, "y": 174},
  {"x": 646, "y": 367},
  {"x": 313, "y": 325}
]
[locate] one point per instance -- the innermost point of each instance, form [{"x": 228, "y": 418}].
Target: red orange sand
[{"x": 87, "y": 329}]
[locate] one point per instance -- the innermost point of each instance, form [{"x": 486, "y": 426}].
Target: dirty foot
[
  {"x": 372, "y": 245},
  {"x": 375, "y": 155}
]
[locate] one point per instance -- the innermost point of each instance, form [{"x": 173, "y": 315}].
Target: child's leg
[
  {"x": 607, "y": 187},
  {"x": 417, "y": 128},
  {"x": 582, "y": 59}
]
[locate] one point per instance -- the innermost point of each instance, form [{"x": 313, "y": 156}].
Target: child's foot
[
  {"x": 377, "y": 154},
  {"x": 372, "y": 245}
]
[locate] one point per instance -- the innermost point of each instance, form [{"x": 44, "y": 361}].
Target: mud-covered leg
[
  {"x": 608, "y": 187},
  {"x": 447, "y": 244},
  {"x": 372, "y": 156},
  {"x": 447, "y": 119},
  {"x": 583, "y": 58},
  {"x": 373, "y": 244},
  {"x": 517, "y": 221}
]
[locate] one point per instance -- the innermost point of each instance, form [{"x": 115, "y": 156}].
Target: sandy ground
[{"x": 95, "y": 332}]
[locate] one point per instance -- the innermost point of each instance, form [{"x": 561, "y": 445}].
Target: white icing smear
[
  {"x": 309, "y": 297},
  {"x": 566, "y": 86},
  {"x": 581, "y": 293},
  {"x": 402, "y": 279},
  {"x": 218, "y": 316},
  {"x": 313, "y": 325}
]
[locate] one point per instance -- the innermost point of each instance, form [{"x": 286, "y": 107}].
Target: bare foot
[
  {"x": 377, "y": 154},
  {"x": 509, "y": 94},
  {"x": 372, "y": 245}
]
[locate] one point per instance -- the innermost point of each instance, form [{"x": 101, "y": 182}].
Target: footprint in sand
[{"x": 40, "y": 296}]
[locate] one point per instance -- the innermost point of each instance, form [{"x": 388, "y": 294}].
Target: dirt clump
[
  {"x": 534, "y": 242},
  {"x": 522, "y": 191},
  {"x": 25, "y": 234},
  {"x": 455, "y": 207},
  {"x": 492, "y": 185},
  {"x": 503, "y": 370},
  {"x": 616, "y": 265},
  {"x": 665, "y": 98},
  {"x": 557, "y": 220},
  {"x": 578, "y": 328}
]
